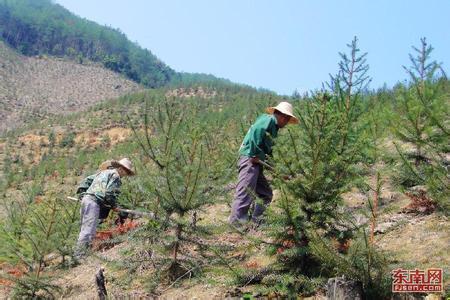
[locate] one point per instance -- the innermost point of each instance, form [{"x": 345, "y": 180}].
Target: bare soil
[{"x": 32, "y": 88}]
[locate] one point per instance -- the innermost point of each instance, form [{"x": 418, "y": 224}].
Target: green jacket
[
  {"x": 105, "y": 186},
  {"x": 259, "y": 139}
]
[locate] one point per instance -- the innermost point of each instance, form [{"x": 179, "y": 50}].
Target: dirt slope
[
  {"x": 418, "y": 241},
  {"x": 34, "y": 87}
]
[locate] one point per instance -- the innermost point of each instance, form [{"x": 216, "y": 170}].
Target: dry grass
[
  {"x": 422, "y": 242},
  {"x": 36, "y": 87}
]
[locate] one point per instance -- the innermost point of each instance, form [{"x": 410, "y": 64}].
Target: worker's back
[{"x": 106, "y": 187}]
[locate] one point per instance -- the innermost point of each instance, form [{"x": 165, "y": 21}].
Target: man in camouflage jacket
[{"x": 99, "y": 193}]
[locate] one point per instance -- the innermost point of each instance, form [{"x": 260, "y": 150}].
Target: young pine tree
[
  {"x": 320, "y": 156},
  {"x": 422, "y": 121},
  {"x": 32, "y": 234},
  {"x": 181, "y": 179}
]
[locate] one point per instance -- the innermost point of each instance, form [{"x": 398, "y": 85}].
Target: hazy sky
[{"x": 279, "y": 45}]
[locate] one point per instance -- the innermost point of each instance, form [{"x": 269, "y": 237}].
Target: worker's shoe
[
  {"x": 240, "y": 225},
  {"x": 81, "y": 251},
  {"x": 258, "y": 222},
  {"x": 74, "y": 262}
]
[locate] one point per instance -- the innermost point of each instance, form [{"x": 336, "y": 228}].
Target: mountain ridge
[{"x": 36, "y": 27}]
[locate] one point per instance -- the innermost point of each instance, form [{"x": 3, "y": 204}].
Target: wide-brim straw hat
[
  {"x": 127, "y": 165},
  {"x": 124, "y": 162},
  {"x": 286, "y": 109}
]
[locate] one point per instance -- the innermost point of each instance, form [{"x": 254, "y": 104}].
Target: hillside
[
  {"x": 360, "y": 185},
  {"x": 47, "y": 162},
  {"x": 35, "y": 87},
  {"x": 32, "y": 88}
]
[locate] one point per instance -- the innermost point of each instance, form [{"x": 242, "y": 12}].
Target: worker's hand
[
  {"x": 116, "y": 209},
  {"x": 121, "y": 218},
  {"x": 288, "y": 177},
  {"x": 254, "y": 160}
]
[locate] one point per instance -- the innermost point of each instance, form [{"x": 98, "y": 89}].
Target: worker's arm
[
  {"x": 270, "y": 134},
  {"x": 255, "y": 141},
  {"x": 113, "y": 190},
  {"x": 263, "y": 138},
  {"x": 112, "y": 194}
]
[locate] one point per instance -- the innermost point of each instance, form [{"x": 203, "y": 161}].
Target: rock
[
  {"x": 340, "y": 288},
  {"x": 361, "y": 220},
  {"x": 391, "y": 222},
  {"x": 388, "y": 196},
  {"x": 418, "y": 188}
]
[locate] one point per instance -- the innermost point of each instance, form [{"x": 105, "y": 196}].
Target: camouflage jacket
[{"x": 105, "y": 186}]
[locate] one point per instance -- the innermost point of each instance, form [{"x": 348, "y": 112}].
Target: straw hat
[
  {"x": 124, "y": 162},
  {"x": 127, "y": 165},
  {"x": 284, "y": 108}
]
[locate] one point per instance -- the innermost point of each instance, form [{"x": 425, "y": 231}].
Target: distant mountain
[
  {"x": 35, "y": 27},
  {"x": 42, "y": 27}
]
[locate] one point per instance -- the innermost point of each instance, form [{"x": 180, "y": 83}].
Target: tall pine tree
[{"x": 320, "y": 156}]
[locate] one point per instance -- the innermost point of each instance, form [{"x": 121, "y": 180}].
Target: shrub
[{"x": 68, "y": 140}]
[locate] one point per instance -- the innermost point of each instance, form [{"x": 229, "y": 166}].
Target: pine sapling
[{"x": 422, "y": 121}]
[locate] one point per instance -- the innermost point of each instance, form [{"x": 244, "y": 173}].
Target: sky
[{"x": 282, "y": 45}]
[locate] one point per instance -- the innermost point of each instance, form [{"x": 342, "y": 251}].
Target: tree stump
[
  {"x": 100, "y": 282},
  {"x": 340, "y": 288}
]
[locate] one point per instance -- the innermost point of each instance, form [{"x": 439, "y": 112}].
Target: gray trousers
[
  {"x": 251, "y": 183},
  {"x": 89, "y": 211}
]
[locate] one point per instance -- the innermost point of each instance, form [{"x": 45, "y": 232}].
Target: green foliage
[
  {"x": 364, "y": 262},
  {"x": 320, "y": 156},
  {"x": 30, "y": 234},
  {"x": 287, "y": 285},
  {"x": 185, "y": 152},
  {"x": 51, "y": 139},
  {"x": 422, "y": 121},
  {"x": 68, "y": 140},
  {"x": 180, "y": 182},
  {"x": 42, "y": 27},
  {"x": 36, "y": 189},
  {"x": 105, "y": 141},
  {"x": 36, "y": 27}
]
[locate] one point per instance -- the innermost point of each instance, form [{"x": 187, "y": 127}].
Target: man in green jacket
[
  {"x": 255, "y": 148},
  {"x": 99, "y": 194}
]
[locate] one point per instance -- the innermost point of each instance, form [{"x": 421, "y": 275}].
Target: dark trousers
[{"x": 251, "y": 183}]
